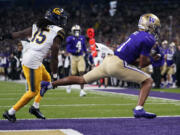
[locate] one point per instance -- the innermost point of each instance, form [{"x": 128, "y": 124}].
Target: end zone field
[{"x": 101, "y": 112}]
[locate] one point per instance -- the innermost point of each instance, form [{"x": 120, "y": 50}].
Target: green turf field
[
  {"x": 59, "y": 104},
  {"x": 172, "y": 90}
]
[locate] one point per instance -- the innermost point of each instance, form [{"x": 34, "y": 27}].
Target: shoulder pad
[
  {"x": 55, "y": 28},
  {"x": 61, "y": 34},
  {"x": 58, "y": 30}
]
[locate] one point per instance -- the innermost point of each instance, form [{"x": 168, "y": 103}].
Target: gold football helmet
[
  {"x": 150, "y": 23},
  {"x": 165, "y": 42}
]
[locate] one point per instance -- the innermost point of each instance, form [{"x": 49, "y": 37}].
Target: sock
[
  {"x": 50, "y": 86},
  {"x": 12, "y": 111},
  {"x": 82, "y": 90},
  {"x": 138, "y": 107},
  {"x": 36, "y": 105},
  {"x": 69, "y": 87}
]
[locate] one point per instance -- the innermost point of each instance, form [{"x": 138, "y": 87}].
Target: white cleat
[
  {"x": 82, "y": 93},
  {"x": 174, "y": 85},
  {"x": 68, "y": 89}
]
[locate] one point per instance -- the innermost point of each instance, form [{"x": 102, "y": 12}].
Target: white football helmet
[
  {"x": 150, "y": 23},
  {"x": 165, "y": 42},
  {"x": 76, "y": 30},
  {"x": 172, "y": 44}
]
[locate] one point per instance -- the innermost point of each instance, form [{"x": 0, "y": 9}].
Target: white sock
[
  {"x": 36, "y": 105},
  {"x": 50, "y": 86},
  {"x": 138, "y": 107},
  {"x": 12, "y": 111},
  {"x": 69, "y": 87},
  {"x": 82, "y": 91}
]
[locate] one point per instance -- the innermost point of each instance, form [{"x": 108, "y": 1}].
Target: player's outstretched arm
[
  {"x": 69, "y": 81},
  {"x": 20, "y": 34}
]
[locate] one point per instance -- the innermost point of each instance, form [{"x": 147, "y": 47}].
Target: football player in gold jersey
[{"x": 46, "y": 35}]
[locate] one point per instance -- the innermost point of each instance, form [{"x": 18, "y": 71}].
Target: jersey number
[
  {"x": 39, "y": 37},
  {"x": 120, "y": 48},
  {"x": 78, "y": 46}
]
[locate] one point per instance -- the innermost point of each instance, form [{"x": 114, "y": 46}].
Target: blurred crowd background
[{"x": 112, "y": 27}]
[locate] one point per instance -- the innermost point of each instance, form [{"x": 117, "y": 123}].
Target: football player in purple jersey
[
  {"x": 75, "y": 45},
  {"x": 134, "y": 51},
  {"x": 170, "y": 63}
]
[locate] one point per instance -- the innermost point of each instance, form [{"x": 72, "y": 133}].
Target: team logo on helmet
[
  {"x": 58, "y": 11},
  {"x": 57, "y": 16},
  {"x": 151, "y": 20}
]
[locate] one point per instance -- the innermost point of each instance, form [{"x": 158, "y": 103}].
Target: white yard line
[
  {"x": 79, "y": 105},
  {"x": 65, "y": 131},
  {"x": 104, "y": 93},
  {"x": 88, "y": 88},
  {"x": 116, "y": 93},
  {"x": 34, "y": 119},
  {"x": 70, "y": 132}
]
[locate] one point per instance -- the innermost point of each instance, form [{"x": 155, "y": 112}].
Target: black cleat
[
  {"x": 11, "y": 118},
  {"x": 36, "y": 112}
]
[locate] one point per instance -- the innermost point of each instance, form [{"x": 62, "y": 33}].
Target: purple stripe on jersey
[{"x": 135, "y": 69}]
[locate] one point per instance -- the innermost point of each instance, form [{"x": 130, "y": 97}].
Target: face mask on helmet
[
  {"x": 76, "y": 30},
  {"x": 76, "y": 33},
  {"x": 156, "y": 32}
]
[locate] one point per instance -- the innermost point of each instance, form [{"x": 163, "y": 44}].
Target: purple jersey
[
  {"x": 140, "y": 42},
  {"x": 160, "y": 62},
  {"x": 169, "y": 54},
  {"x": 76, "y": 45}
]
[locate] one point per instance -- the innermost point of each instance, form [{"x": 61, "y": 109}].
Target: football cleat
[
  {"x": 143, "y": 114},
  {"x": 162, "y": 85},
  {"x": 82, "y": 93},
  {"x": 11, "y": 118},
  {"x": 44, "y": 87},
  {"x": 169, "y": 85},
  {"x": 36, "y": 112}
]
